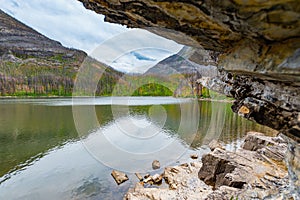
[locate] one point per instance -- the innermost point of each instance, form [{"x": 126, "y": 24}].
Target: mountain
[
  {"x": 182, "y": 63},
  {"x": 32, "y": 64},
  {"x": 20, "y": 41}
]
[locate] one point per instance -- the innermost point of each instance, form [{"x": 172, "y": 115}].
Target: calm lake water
[{"x": 64, "y": 149}]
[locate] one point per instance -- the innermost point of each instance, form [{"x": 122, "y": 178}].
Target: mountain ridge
[{"x": 33, "y": 65}]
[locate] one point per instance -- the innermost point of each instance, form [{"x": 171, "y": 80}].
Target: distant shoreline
[{"x": 70, "y": 97}]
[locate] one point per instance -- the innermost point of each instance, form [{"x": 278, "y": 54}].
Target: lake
[{"x": 67, "y": 148}]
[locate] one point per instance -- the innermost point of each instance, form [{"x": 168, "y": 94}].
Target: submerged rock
[
  {"x": 155, "y": 164},
  {"x": 194, "y": 156},
  {"x": 119, "y": 177},
  {"x": 139, "y": 176}
]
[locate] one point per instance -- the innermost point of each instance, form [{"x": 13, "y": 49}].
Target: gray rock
[
  {"x": 155, "y": 164},
  {"x": 258, "y": 169},
  {"x": 272, "y": 147},
  {"x": 256, "y": 140},
  {"x": 223, "y": 174},
  {"x": 119, "y": 177}
]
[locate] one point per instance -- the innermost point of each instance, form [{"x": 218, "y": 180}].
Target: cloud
[
  {"x": 64, "y": 20},
  {"x": 68, "y": 22},
  {"x": 129, "y": 62}
]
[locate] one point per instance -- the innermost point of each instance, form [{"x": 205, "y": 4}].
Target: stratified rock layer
[{"x": 272, "y": 103}]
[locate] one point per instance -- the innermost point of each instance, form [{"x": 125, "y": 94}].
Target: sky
[{"x": 68, "y": 22}]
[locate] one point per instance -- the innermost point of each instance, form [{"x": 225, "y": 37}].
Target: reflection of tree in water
[{"x": 217, "y": 121}]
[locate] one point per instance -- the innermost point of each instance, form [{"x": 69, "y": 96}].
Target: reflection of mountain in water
[{"x": 181, "y": 64}]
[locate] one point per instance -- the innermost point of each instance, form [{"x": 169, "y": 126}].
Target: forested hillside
[{"x": 34, "y": 65}]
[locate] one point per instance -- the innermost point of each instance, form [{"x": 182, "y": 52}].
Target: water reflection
[{"x": 41, "y": 149}]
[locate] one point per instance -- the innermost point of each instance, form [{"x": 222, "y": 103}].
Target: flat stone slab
[{"x": 119, "y": 177}]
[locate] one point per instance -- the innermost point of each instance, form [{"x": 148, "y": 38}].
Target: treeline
[
  {"x": 34, "y": 79},
  {"x": 177, "y": 85},
  {"x": 35, "y": 85}
]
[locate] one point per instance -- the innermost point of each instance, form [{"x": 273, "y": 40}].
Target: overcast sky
[{"x": 68, "y": 22}]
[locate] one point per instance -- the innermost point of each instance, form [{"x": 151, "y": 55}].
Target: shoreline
[
  {"x": 70, "y": 97},
  {"x": 256, "y": 170}
]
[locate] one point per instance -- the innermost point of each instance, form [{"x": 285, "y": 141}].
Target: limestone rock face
[
  {"x": 272, "y": 103},
  {"x": 215, "y": 25}
]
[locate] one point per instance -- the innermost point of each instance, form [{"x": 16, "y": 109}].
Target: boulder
[
  {"x": 256, "y": 140},
  {"x": 257, "y": 171},
  {"x": 269, "y": 147}
]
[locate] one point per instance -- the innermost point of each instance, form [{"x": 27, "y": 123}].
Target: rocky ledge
[{"x": 255, "y": 171}]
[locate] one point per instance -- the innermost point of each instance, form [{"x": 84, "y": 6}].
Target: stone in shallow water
[
  {"x": 155, "y": 164},
  {"x": 194, "y": 156},
  {"x": 215, "y": 144},
  {"x": 139, "y": 176},
  {"x": 119, "y": 177}
]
